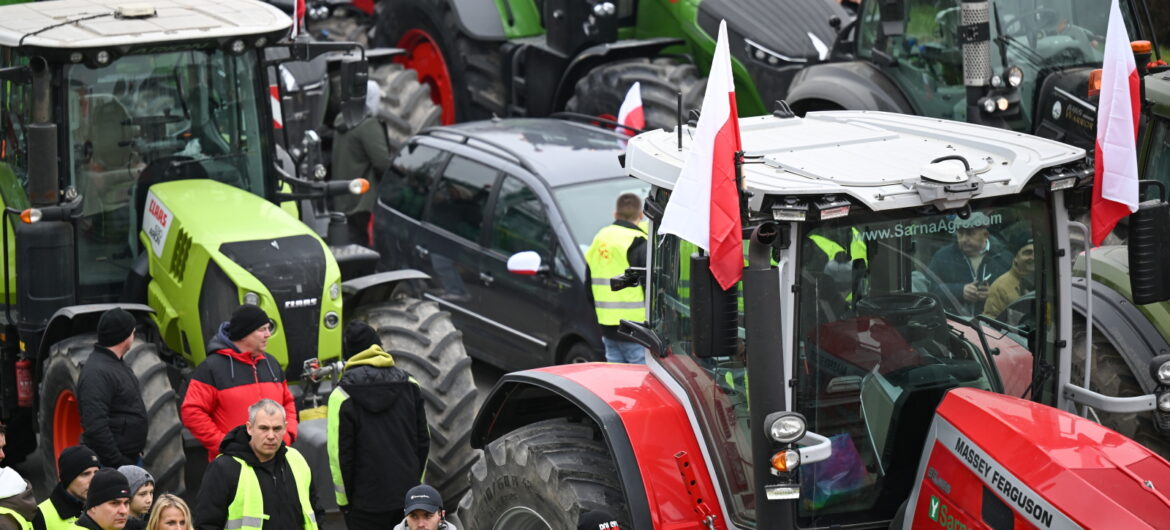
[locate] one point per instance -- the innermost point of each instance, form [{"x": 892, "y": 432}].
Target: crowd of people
[{"x": 238, "y": 405}]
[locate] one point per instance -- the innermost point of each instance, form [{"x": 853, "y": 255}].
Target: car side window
[
  {"x": 520, "y": 222},
  {"x": 461, "y": 196},
  {"x": 410, "y": 178}
]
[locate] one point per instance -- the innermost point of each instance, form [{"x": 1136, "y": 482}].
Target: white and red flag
[
  {"x": 298, "y": 19},
  {"x": 631, "y": 114},
  {"x": 704, "y": 206},
  {"x": 1115, "y": 184}
]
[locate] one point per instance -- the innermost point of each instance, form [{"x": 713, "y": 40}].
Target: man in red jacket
[{"x": 235, "y": 375}]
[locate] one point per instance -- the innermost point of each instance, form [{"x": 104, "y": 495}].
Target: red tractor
[{"x": 845, "y": 383}]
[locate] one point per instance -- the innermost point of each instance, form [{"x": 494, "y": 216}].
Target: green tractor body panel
[
  {"x": 196, "y": 280},
  {"x": 12, "y": 195},
  {"x": 1111, "y": 269},
  {"x": 521, "y": 18}
]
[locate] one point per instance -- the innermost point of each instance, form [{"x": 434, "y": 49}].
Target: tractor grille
[
  {"x": 179, "y": 257},
  {"x": 293, "y": 270}
]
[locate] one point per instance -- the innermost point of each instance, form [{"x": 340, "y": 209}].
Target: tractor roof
[
  {"x": 877, "y": 158},
  {"x": 97, "y": 23}
]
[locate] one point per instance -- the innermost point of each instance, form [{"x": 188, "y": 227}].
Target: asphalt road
[{"x": 32, "y": 469}]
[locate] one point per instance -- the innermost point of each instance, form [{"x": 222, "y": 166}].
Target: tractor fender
[
  {"x": 77, "y": 319},
  {"x": 1124, "y": 326},
  {"x": 599, "y": 54},
  {"x": 478, "y": 19},
  {"x": 646, "y": 429},
  {"x": 853, "y": 85},
  {"x": 376, "y": 287}
]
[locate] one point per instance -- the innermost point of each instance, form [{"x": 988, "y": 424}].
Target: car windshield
[
  {"x": 589, "y": 207},
  {"x": 892, "y": 312},
  {"x": 145, "y": 119}
]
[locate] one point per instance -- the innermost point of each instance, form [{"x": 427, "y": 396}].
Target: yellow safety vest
[
  {"x": 52, "y": 520},
  {"x": 20, "y": 520},
  {"x": 857, "y": 248},
  {"x": 607, "y": 259},
  {"x": 246, "y": 512}
]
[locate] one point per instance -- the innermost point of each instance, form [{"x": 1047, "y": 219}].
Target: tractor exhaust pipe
[
  {"x": 765, "y": 362},
  {"x": 975, "y": 41}
]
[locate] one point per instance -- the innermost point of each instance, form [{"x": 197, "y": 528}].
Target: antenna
[{"x": 678, "y": 116}]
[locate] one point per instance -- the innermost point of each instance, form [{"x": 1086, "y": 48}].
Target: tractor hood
[
  {"x": 995, "y": 459},
  {"x": 212, "y": 246}
]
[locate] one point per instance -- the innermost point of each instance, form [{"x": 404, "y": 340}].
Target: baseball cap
[{"x": 423, "y": 497}]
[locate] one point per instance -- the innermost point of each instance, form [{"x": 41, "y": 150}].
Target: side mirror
[
  {"x": 893, "y": 17},
  {"x": 355, "y": 73},
  {"x": 526, "y": 263},
  {"x": 1148, "y": 252},
  {"x": 643, "y": 335},
  {"x": 714, "y": 313}
]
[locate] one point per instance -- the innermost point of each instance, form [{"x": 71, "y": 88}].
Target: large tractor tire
[
  {"x": 601, "y": 92},
  {"x": 465, "y": 76},
  {"x": 425, "y": 344},
  {"x": 405, "y": 105},
  {"x": 61, "y": 417},
  {"x": 1111, "y": 376},
  {"x": 542, "y": 477}
]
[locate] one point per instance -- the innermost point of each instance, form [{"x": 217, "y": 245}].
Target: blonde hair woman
[{"x": 169, "y": 513}]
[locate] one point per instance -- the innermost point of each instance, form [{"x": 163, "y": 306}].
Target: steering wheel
[{"x": 1033, "y": 23}]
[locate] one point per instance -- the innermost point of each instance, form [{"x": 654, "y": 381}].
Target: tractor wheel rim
[
  {"x": 521, "y": 518},
  {"x": 424, "y": 57},
  {"x": 66, "y": 422}
]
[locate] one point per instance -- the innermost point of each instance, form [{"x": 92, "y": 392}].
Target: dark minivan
[{"x": 459, "y": 201}]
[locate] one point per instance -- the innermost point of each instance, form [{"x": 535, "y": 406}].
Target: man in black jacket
[
  {"x": 113, "y": 414},
  {"x": 378, "y": 438},
  {"x": 107, "y": 504},
  {"x": 279, "y": 478}
]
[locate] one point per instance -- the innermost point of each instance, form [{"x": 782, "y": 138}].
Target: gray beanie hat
[{"x": 136, "y": 476}]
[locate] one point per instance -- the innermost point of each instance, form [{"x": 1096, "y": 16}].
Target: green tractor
[
  {"x": 137, "y": 170},
  {"x": 536, "y": 57}
]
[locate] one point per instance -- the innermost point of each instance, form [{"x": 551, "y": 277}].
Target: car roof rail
[
  {"x": 595, "y": 121},
  {"x": 494, "y": 148}
]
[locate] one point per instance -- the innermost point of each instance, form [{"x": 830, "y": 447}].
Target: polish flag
[
  {"x": 1115, "y": 185},
  {"x": 298, "y": 21},
  {"x": 631, "y": 112},
  {"x": 704, "y": 206}
]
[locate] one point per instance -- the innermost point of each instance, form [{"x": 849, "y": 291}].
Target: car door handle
[
  {"x": 422, "y": 252},
  {"x": 486, "y": 278}
]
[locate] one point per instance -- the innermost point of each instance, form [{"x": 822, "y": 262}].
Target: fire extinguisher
[{"x": 24, "y": 383}]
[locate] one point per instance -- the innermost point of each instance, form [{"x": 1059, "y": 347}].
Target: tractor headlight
[
  {"x": 785, "y": 427},
  {"x": 1015, "y": 76},
  {"x": 334, "y": 291},
  {"x": 238, "y": 46},
  {"x": 331, "y": 319},
  {"x": 988, "y": 105},
  {"x": 251, "y": 298},
  {"x": 1164, "y": 402},
  {"x": 102, "y": 57},
  {"x": 1002, "y": 103},
  {"x": 1160, "y": 369}
]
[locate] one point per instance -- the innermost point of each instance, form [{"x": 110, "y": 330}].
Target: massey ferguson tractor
[
  {"x": 136, "y": 170},
  {"x": 854, "y": 379}
]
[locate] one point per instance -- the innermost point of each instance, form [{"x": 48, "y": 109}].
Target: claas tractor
[
  {"x": 137, "y": 169},
  {"x": 854, "y": 378}
]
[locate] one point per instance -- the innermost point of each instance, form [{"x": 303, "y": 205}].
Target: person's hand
[{"x": 975, "y": 292}]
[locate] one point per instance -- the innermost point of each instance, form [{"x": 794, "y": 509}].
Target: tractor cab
[
  {"x": 894, "y": 283},
  {"x": 919, "y": 45}
]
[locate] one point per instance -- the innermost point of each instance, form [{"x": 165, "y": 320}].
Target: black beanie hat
[
  {"x": 359, "y": 336},
  {"x": 114, "y": 326},
  {"x": 74, "y": 461},
  {"x": 246, "y": 319},
  {"x": 108, "y": 484}
]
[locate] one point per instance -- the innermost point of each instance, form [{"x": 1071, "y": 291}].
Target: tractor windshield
[
  {"x": 891, "y": 311},
  {"x": 1037, "y": 36},
  {"x": 145, "y": 119}
]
